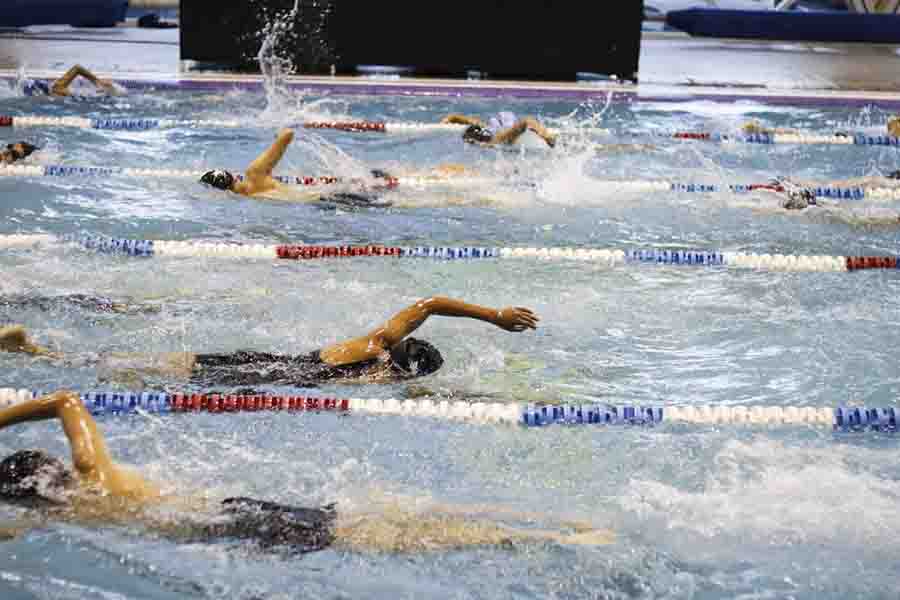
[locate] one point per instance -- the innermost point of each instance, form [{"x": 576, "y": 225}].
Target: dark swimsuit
[
  {"x": 269, "y": 524},
  {"x": 255, "y": 368}
]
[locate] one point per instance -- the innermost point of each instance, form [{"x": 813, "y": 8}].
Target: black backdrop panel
[{"x": 525, "y": 39}]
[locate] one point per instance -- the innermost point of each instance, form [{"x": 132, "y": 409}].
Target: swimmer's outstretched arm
[
  {"x": 509, "y": 136},
  {"x": 457, "y": 119},
  {"x": 409, "y": 319},
  {"x": 268, "y": 160},
  {"x": 259, "y": 173},
  {"x": 61, "y": 85}
]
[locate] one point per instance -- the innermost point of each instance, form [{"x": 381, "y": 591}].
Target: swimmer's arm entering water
[
  {"x": 61, "y": 86},
  {"x": 89, "y": 454},
  {"x": 259, "y": 172},
  {"x": 402, "y": 324},
  {"x": 12, "y": 530}
]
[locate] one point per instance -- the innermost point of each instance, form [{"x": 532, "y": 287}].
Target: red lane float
[
  {"x": 216, "y": 403},
  {"x": 688, "y": 135},
  {"x": 294, "y": 252},
  {"x": 347, "y": 125},
  {"x": 857, "y": 263}
]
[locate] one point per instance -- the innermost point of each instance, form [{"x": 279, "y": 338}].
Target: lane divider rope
[
  {"x": 842, "y": 139},
  {"x": 14, "y": 170},
  {"x": 632, "y": 186},
  {"x": 151, "y": 124},
  {"x": 842, "y": 418},
  {"x": 604, "y": 257},
  {"x": 363, "y": 126}
]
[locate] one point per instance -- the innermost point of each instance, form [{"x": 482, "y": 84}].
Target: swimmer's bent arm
[
  {"x": 509, "y": 136},
  {"x": 409, "y": 319},
  {"x": 456, "y": 119},
  {"x": 86, "y": 442},
  {"x": 61, "y": 85}
]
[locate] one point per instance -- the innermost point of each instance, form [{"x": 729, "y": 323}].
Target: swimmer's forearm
[
  {"x": 450, "y": 307},
  {"x": 86, "y": 74},
  {"x": 267, "y": 161},
  {"x": 38, "y": 409},
  {"x": 508, "y": 136},
  {"x": 456, "y": 119}
]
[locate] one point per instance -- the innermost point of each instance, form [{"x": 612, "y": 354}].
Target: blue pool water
[{"x": 698, "y": 512}]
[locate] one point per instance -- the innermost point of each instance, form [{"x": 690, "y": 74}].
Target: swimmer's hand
[
  {"x": 456, "y": 119},
  {"x": 13, "y": 530},
  {"x": 516, "y": 319},
  {"x": 14, "y": 338}
]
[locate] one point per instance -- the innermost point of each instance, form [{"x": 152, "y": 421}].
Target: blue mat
[
  {"x": 78, "y": 13},
  {"x": 819, "y": 26}
]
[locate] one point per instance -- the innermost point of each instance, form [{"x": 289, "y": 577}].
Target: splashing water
[{"x": 273, "y": 62}]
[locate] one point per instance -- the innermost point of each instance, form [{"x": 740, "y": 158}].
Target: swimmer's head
[
  {"x": 415, "y": 358},
  {"x": 798, "y": 199},
  {"x": 894, "y": 174},
  {"x": 17, "y": 151},
  {"x": 222, "y": 180},
  {"x": 36, "y": 88},
  {"x": 34, "y": 477},
  {"x": 21, "y": 149},
  {"x": 893, "y": 126},
  {"x": 476, "y": 134}
]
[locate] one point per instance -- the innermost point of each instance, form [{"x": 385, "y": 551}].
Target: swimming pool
[{"x": 698, "y": 511}]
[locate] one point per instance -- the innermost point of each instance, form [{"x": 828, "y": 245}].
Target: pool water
[{"x": 698, "y": 512}]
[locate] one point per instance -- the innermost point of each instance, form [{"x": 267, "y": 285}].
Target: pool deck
[{"x": 674, "y": 67}]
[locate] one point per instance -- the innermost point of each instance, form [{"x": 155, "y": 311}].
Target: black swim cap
[
  {"x": 33, "y": 475},
  {"x": 27, "y": 148},
  {"x": 798, "y": 199},
  {"x": 894, "y": 174},
  {"x": 477, "y": 134},
  {"x": 416, "y": 357},
  {"x": 222, "y": 180}
]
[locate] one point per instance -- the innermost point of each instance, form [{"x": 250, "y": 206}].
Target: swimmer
[
  {"x": 501, "y": 129},
  {"x": 61, "y": 86},
  {"x": 96, "y": 490},
  {"x": 893, "y": 126},
  {"x": 753, "y": 127},
  {"x": 385, "y": 354},
  {"x": 258, "y": 181},
  {"x": 258, "y": 178},
  {"x": 802, "y": 200},
  {"x": 16, "y": 152}
]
